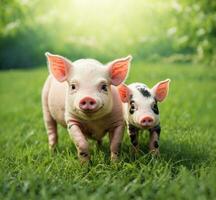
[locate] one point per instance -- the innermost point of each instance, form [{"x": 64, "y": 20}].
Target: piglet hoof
[
  {"x": 84, "y": 158},
  {"x": 155, "y": 152},
  {"x": 135, "y": 150},
  {"x": 53, "y": 149},
  {"x": 114, "y": 157}
]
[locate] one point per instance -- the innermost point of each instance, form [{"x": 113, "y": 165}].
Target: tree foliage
[
  {"x": 181, "y": 30},
  {"x": 196, "y": 28}
]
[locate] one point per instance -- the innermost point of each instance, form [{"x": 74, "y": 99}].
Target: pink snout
[
  {"x": 88, "y": 104},
  {"x": 147, "y": 121}
]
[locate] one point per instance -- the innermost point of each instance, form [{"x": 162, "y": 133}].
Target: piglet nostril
[{"x": 150, "y": 120}]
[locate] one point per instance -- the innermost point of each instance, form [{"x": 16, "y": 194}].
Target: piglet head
[
  {"x": 89, "y": 94},
  {"x": 141, "y": 102}
]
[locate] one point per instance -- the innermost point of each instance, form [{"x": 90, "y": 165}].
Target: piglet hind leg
[
  {"x": 81, "y": 143},
  {"x": 50, "y": 123},
  {"x": 51, "y": 127},
  {"x": 154, "y": 140},
  {"x": 116, "y": 136}
]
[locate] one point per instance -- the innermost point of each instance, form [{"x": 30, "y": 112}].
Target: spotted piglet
[
  {"x": 141, "y": 110},
  {"x": 82, "y": 96}
]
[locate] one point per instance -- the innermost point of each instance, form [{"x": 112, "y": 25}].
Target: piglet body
[
  {"x": 56, "y": 93},
  {"x": 86, "y": 101},
  {"x": 141, "y": 110}
]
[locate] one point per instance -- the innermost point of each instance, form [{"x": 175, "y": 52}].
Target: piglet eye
[
  {"x": 104, "y": 87},
  {"x": 73, "y": 86},
  {"x": 155, "y": 108},
  {"x": 132, "y": 105}
]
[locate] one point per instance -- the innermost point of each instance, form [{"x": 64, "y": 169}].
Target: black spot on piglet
[
  {"x": 133, "y": 129},
  {"x": 133, "y": 140},
  {"x": 155, "y": 108},
  {"x": 156, "y": 129},
  {"x": 144, "y": 91},
  {"x": 156, "y": 145}
]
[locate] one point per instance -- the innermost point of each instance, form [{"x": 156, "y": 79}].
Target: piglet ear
[
  {"x": 124, "y": 93},
  {"x": 59, "y": 66},
  {"x": 118, "y": 70},
  {"x": 161, "y": 90}
]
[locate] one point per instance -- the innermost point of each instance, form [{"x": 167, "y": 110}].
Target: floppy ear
[
  {"x": 161, "y": 90},
  {"x": 118, "y": 70},
  {"x": 124, "y": 93},
  {"x": 59, "y": 66}
]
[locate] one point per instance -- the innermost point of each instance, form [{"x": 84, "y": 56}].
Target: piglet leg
[
  {"x": 50, "y": 123},
  {"x": 134, "y": 133},
  {"x": 116, "y": 136},
  {"x": 99, "y": 145},
  {"x": 51, "y": 127},
  {"x": 154, "y": 140},
  {"x": 80, "y": 141}
]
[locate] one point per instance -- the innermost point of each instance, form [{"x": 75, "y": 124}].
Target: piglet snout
[
  {"x": 147, "y": 121},
  {"x": 88, "y": 104}
]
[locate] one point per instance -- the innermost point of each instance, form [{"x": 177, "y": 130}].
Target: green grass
[{"x": 185, "y": 170}]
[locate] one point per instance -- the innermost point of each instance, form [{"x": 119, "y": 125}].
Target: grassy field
[{"x": 185, "y": 170}]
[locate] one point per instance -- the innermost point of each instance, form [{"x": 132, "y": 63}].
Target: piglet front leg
[
  {"x": 116, "y": 136},
  {"x": 99, "y": 145},
  {"x": 154, "y": 140},
  {"x": 80, "y": 142},
  {"x": 134, "y": 133}
]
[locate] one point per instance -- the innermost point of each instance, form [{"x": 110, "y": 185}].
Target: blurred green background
[{"x": 171, "y": 30}]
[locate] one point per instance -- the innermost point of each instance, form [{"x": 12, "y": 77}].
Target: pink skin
[
  {"x": 82, "y": 97},
  {"x": 88, "y": 104},
  {"x": 147, "y": 122},
  {"x": 139, "y": 105}
]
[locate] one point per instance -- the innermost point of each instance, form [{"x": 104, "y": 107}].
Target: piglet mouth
[
  {"x": 146, "y": 126},
  {"x": 90, "y": 111}
]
